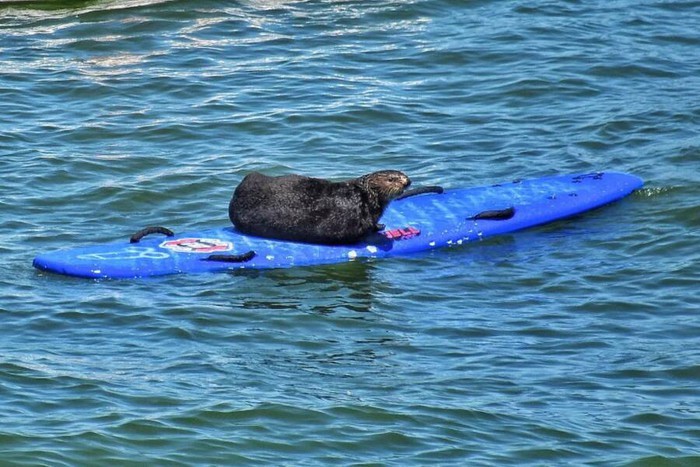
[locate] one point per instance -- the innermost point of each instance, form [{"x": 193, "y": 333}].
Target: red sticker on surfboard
[{"x": 401, "y": 234}]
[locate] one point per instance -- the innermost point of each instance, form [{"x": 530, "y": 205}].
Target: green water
[{"x": 570, "y": 344}]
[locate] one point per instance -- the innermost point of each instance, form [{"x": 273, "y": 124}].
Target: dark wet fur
[{"x": 313, "y": 210}]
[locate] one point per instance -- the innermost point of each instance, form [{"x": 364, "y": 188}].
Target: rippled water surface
[{"x": 576, "y": 343}]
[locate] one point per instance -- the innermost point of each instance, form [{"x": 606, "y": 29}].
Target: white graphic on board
[
  {"x": 197, "y": 245},
  {"x": 132, "y": 252}
]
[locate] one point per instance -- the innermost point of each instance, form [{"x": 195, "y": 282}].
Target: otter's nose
[{"x": 407, "y": 182}]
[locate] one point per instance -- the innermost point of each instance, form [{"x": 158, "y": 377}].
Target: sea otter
[{"x": 314, "y": 210}]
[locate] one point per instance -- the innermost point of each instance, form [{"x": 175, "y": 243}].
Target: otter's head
[{"x": 386, "y": 184}]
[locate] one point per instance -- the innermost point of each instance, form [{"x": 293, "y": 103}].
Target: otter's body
[{"x": 313, "y": 210}]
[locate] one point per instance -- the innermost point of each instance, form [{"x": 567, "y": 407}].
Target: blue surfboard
[{"x": 413, "y": 224}]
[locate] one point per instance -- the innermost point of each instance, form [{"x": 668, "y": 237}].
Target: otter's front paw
[{"x": 379, "y": 227}]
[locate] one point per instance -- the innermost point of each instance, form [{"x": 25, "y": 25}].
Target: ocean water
[{"x": 576, "y": 343}]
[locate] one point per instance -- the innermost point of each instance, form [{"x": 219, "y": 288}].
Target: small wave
[{"x": 655, "y": 192}]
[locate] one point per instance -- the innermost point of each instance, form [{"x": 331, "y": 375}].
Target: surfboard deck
[{"x": 413, "y": 224}]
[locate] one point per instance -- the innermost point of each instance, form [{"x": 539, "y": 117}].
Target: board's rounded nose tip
[
  {"x": 632, "y": 181},
  {"x": 38, "y": 263},
  {"x": 43, "y": 262},
  {"x": 635, "y": 181}
]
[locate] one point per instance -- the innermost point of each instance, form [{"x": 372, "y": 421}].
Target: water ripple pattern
[{"x": 570, "y": 344}]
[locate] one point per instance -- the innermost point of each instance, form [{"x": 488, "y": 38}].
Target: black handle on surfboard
[
  {"x": 242, "y": 258},
  {"x": 494, "y": 215},
  {"x": 148, "y": 231},
  {"x": 422, "y": 190}
]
